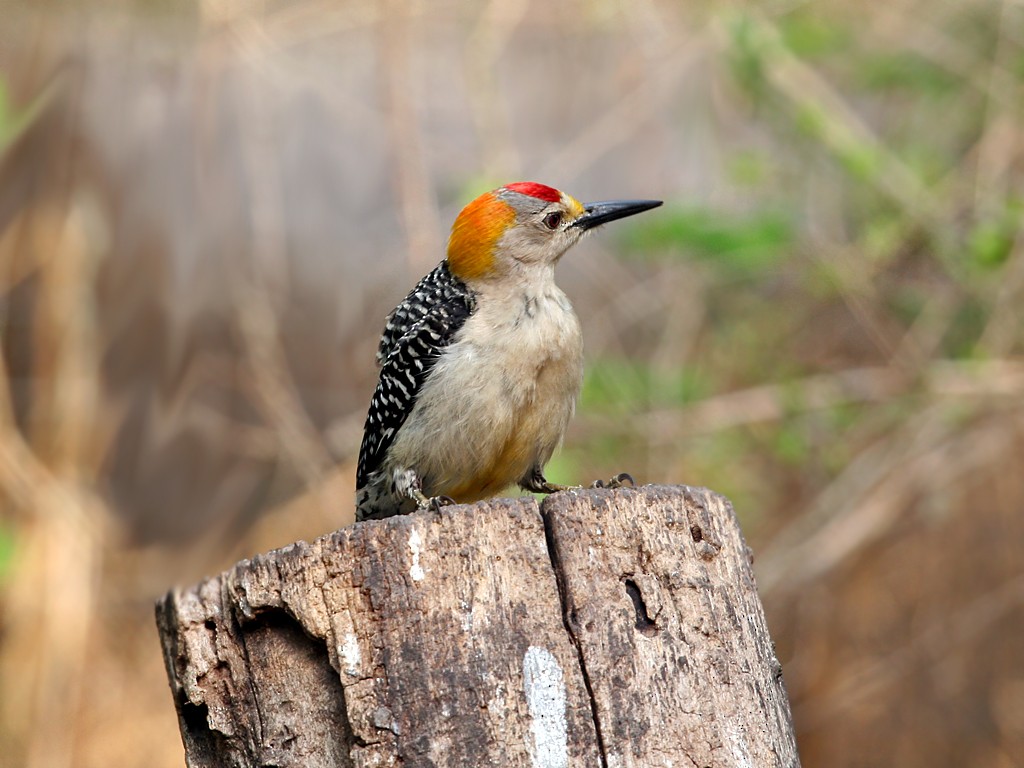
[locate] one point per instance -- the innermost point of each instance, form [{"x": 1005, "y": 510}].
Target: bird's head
[{"x": 524, "y": 224}]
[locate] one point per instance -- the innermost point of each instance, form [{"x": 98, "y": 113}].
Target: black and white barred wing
[
  {"x": 439, "y": 288},
  {"x": 406, "y": 366}
]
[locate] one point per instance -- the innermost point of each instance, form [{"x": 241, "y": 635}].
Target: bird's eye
[{"x": 552, "y": 220}]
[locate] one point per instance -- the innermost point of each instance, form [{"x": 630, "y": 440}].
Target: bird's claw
[
  {"x": 615, "y": 482},
  {"x": 436, "y": 502},
  {"x": 433, "y": 503},
  {"x": 430, "y": 502}
]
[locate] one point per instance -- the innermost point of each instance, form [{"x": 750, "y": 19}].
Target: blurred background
[{"x": 207, "y": 208}]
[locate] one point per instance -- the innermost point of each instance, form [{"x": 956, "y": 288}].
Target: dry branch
[{"x": 600, "y": 628}]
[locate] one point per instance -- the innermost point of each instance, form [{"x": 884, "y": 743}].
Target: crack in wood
[{"x": 568, "y": 619}]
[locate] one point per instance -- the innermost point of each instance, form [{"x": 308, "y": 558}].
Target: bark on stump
[{"x": 599, "y": 628}]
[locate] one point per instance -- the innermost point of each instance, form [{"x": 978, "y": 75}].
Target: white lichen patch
[
  {"x": 351, "y": 655},
  {"x": 416, "y": 547},
  {"x": 544, "y": 686}
]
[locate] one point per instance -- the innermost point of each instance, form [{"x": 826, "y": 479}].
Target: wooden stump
[{"x": 599, "y": 628}]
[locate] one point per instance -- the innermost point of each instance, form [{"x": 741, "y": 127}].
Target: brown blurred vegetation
[{"x": 207, "y": 208}]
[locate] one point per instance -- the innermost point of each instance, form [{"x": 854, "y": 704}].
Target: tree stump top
[{"x": 598, "y": 628}]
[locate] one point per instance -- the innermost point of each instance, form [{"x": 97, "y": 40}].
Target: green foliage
[
  {"x": 726, "y": 462},
  {"x": 749, "y": 169},
  {"x": 746, "y": 55},
  {"x": 928, "y": 162},
  {"x": 736, "y": 244},
  {"x": 564, "y": 469},
  {"x": 881, "y": 235},
  {"x": 791, "y": 445},
  {"x": 618, "y": 385},
  {"x": 990, "y": 242},
  {"x": 8, "y": 116},
  {"x": 905, "y": 71},
  {"x": 813, "y": 37},
  {"x": 15, "y": 119},
  {"x": 968, "y": 323},
  {"x": 907, "y": 302},
  {"x": 7, "y": 550},
  {"x": 475, "y": 186}
]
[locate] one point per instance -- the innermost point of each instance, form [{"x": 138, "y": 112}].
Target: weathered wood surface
[{"x": 600, "y": 628}]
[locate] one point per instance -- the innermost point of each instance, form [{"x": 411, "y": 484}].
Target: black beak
[{"x": 610, "y": 210}]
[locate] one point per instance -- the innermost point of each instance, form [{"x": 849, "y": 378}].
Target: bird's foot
[
  {"x": 535, "y": 482},
  {"x": 436, "y": 502},
  {"x": 433, "y": 503},
  {"x": 547, "y": 487},
  {"x": 616, "y": 482}
]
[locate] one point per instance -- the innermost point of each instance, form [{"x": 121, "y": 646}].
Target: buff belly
[{"x": 498, "y": 401}]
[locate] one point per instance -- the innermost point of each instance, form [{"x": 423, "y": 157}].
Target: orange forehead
[{"x": 475, "y": 234}]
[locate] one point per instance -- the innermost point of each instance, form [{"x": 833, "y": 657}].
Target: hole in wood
[
  {"x": 645, "y": 625},
  {"x": 200, "y": 739},
  {"x": 696, "y": 533},
  {"x": 195, "y": 716}
]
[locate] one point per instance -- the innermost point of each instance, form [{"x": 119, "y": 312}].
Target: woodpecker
[{"x": 482, "y": 363}]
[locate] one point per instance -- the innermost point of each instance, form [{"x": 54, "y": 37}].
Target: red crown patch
[{"x": 533, "y": 189}]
